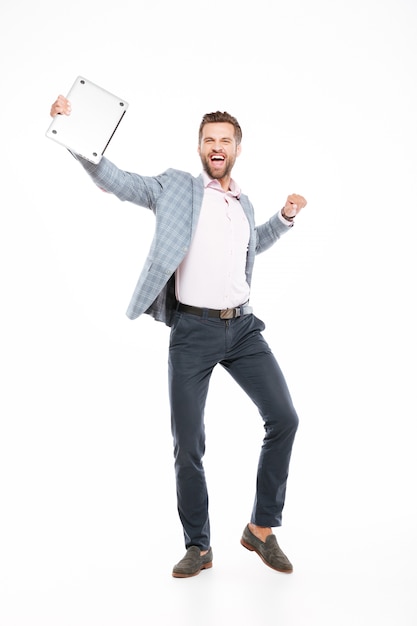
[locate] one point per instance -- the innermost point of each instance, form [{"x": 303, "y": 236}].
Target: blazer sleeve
[
  {"x": 126, "y": 186},
  {"x": 269, "y": 232}
]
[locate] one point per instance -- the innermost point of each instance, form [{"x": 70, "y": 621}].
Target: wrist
[{"x": 286, "y": 217}]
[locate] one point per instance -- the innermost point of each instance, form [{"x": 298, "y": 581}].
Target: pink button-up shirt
[{"x": 212, "y": 275}]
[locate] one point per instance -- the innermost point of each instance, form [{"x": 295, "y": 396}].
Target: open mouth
[{"x": 217, "y": 159}]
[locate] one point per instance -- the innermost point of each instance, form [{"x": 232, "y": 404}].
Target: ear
[{"x": 238, "y": 150}]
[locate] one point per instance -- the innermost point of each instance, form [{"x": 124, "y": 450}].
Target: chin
[{"x": 216, "y": 174}]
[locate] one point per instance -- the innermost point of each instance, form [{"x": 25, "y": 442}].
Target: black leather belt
[{"x": 224, "y": 314}]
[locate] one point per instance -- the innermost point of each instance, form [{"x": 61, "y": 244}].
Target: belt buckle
[{"x": 227, "y": 314}]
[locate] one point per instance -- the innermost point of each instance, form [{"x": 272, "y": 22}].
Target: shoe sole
[
  {"x": 252, "y": 548},
  {"x": 205, "y": 566}
]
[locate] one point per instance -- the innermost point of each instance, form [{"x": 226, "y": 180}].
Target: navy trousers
[{"x": 197, "y": 345}]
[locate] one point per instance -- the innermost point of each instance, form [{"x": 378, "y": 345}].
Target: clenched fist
[{"x": 293, "y": 206}]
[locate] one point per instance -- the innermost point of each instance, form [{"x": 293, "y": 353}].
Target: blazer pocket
[{"x": 158, "y": 272}]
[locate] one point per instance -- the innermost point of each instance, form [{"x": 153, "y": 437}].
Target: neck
[{"x": 225, "y": 183}]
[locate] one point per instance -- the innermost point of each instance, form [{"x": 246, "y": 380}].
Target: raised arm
[{"x": 127, "y": 186}]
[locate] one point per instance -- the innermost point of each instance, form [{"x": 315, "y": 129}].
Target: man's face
[{"x": 218, "y": 149}]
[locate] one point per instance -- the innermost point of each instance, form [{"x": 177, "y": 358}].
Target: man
[{"x": 197, "y": 279}]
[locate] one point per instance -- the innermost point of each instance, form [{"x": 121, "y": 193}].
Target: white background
[{"x": 325, "y": 93}]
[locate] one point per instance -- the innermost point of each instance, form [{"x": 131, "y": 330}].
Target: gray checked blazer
[{"x": 175, "y": 197}]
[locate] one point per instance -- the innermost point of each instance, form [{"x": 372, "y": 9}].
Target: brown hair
[{"x": 218, "y": 116}]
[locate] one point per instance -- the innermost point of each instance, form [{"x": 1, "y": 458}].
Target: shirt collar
[{"x": 234, "y": 189}]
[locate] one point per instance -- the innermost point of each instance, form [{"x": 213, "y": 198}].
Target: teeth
[{"x": 217, "y": 158}]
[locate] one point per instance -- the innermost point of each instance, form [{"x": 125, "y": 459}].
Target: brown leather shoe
[
  {"x": 193, "y": 563},
  {"x": 269, "y": 551}
]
